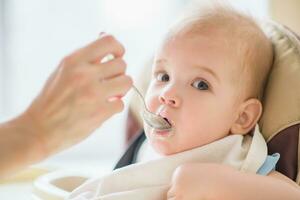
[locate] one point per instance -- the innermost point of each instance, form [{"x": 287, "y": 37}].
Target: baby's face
[{"x": 193, "y": 87}]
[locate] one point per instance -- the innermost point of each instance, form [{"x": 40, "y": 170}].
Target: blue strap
[{"x": 269, "y": 164}]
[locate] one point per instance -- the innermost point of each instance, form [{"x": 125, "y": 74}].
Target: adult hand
[{"x": 80, "y": 95}]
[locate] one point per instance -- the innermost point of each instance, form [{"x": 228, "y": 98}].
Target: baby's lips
[{"x": 165, "y": 116}]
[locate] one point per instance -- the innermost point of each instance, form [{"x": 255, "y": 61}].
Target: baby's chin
[
  {"x": 166, "y": 142},
  {"x": 162, "y": 148},
  {"x": 162, "y": 145}
]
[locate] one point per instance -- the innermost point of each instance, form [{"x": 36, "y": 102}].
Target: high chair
[{"x": 279, "y": 124}]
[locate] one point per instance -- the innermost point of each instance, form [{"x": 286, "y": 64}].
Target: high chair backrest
[{"x": 280, "y": 121}]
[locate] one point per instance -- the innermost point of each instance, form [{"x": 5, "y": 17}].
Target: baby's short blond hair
[{"x": 241, "y": 32}]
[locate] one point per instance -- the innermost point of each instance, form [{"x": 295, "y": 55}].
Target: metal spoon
[{"x": 151, "y": 119}]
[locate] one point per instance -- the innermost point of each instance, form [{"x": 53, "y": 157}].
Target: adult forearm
[{"x": 19, "y": 145}]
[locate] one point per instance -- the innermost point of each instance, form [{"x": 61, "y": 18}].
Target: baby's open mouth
[
  {"x": 164, "y": 134},
  {"x": 166, "y": 119}
]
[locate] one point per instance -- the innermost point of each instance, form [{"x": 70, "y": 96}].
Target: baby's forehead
[{"x": 213, "y": 44}]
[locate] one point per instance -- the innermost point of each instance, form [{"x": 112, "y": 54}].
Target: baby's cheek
[
  {"x": 151, "y": 102},
  {"x": 197, "y": 120}
]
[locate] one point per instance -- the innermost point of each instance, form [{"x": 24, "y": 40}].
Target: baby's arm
[
  {"x": 280, "y": 176},
  {"x": 214, "y": 182}
]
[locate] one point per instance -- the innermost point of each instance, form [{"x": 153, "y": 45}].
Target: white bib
[{"x": 150, "y": 180}]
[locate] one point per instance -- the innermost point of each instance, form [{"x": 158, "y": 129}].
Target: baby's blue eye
[
  {"x": 163, "y": 77},
  {"x": 200, "y": 85}
]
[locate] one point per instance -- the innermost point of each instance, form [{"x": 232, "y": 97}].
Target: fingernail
[
  {"x": 114, "y": 98},
  {"x": 119, "y": 96},
  {"x": 101, "y": 33}
]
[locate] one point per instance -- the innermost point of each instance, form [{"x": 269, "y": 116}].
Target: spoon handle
[{"x": 140, "y": 95}]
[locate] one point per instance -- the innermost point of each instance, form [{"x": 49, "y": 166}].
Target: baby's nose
[{"x": 169, "y": 100}]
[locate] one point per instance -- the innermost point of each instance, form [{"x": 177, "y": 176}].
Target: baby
[
  {"x": 208, "y": 78},
  {"x": 207, "y": 82}
]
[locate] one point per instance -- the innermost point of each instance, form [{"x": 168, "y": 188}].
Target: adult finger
[
  {"x": 113, "y": 107},
  {"x": 116, "y": 86},
  {"x": 110, "y": 69},
  {"x": 99, "y": 48}
]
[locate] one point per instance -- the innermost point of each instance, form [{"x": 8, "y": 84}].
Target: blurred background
[{"x": 36, "y": 34}]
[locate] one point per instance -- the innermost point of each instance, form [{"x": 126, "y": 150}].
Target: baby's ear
[{"x": 248, "y": 115}]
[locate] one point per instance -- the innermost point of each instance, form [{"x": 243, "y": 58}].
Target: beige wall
[{"x": 286, "y": 12}]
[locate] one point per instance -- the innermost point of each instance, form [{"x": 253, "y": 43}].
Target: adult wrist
[{"x": 33, "y": 134}]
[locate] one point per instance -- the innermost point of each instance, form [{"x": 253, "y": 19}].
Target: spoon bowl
[{"x": 151, "y": 119}]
